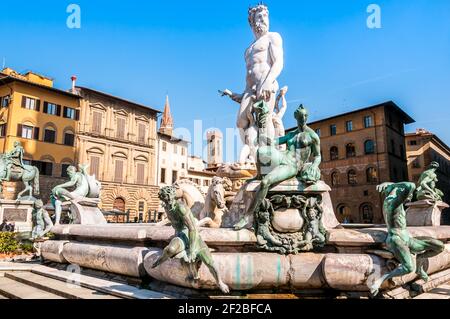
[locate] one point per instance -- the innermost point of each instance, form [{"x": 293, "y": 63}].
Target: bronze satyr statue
[
  {"x": 399, "y": 241},
  {"x": 426, "y": 189},
  {"x": 187, "y": 244}
]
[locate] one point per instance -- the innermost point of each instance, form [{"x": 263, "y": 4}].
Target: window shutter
[
  {"x": 141, "y": 133},
  {"x": 36, "y": 133},
  {"x": 19, "y": 130},
  {"x": 77, "y": 115},
  {"x": 38, "y": 105},
  {"x": 95, "y": 164},
  {"x": 97, "y": 122},
  {"x": 58, "y": 110},
  {"x": 45, "y": 110},
  {"x": 121, "y": 128},
  {"x": 65, "y": 111},
  {"x": 140, "y": 174},
  {"x": 24, "y": 101},
  {"x": 118, "y": 171}
]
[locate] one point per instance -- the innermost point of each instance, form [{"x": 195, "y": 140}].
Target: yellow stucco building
[{"x": 43, "y": 119}]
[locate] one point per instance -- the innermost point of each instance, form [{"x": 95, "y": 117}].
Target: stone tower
[
  {"x": 166, "y": 126},
  {"x": 215, "y": 155}
]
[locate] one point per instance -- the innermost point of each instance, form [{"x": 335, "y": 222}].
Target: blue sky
[{"x": 141, "y": 50}]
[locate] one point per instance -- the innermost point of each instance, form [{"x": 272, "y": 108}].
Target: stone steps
[
  {"x": 53, "y": 281},
  {"x": 12, "y": 289},
  {"x": 106, "y": 286},
  {"x": 441, "y": 292},
  {"x": 57, "y": 287}
]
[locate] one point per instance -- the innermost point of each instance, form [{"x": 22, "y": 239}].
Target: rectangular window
[
  {"x": 30, "y": 103},
  {"x": 140, "y": 173},
  {"x": 175, "y": 149},
  {"x": 45, "y": 168},
  {"x": 163, "y": 175},
  {"x": 368, "y": 121},
  {"x": 174, "y": 176},
  {"x": 69, "y": 139},
  {"x": 64, "y": 168},
  {"x": 413, "y": 143},
  {"x": 49, "y": 136},
  {"x": 164, "y": 146},
  {"x": 25, "y": 131},
  {"x": 318, "y": 132},
  {"x": 141, "y": 133},
  {"x": 118, "y": 175},
  {"x": 183, "y": 166},
  {"x": 333, "y": 130},
  {"x": 71, "y": 113},
  {"x": 4, "y": 101},
  {"x": 97, "y": 122},
  {"x": 349, "y": 126},
  {"x": 95, "y": 166},
  {"x": 120, "y": 128},
  {"x": 52, "y": 109},
  {"x": 183, "y": 151},
  {"x": 3, "y": 130}
]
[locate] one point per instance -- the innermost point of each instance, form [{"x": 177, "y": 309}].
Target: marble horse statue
[{"x": 215, "y": 203}]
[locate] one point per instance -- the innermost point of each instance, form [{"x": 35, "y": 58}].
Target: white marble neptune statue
[{"x": 264, "y": 63}]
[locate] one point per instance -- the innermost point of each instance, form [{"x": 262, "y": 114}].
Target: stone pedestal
[
  {"x": 425, "y": 213},
  {"x": 19, "y": 212},
  {"x": 246, "y": 195}
]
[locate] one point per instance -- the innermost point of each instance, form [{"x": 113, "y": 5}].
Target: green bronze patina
[
  {"x": 399, "y": 241},
  {"x": 301, "y": 158},
  {"x": 310, "y": 236},
  {"x": 187, "y": 244},
  {"x": 42, "y": 223},
  {"x": 426, "y": 189},
  {"x": 12, "y": 168}
]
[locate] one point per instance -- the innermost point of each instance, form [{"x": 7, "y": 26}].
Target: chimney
[{"x": 74, "y": 79}]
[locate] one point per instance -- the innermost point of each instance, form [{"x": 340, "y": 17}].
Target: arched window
[
  {"x": 344, "y": 213},
  {"x": 50, "y": 134},
  {"x": 141, "y": 210},
  {"x": 350, "y": 150},
  {"x": 119, "y": 204},
  {"x": 352, "y": 177},
  {"x": 372, "y": 175},
  {"x": 369, "y": 147},
  {"x": 366, "y": 211},
  {"x": 69, "y": 137},
  {"x": 334, "y": 179},
  {"x": 334, "y": 153}
]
